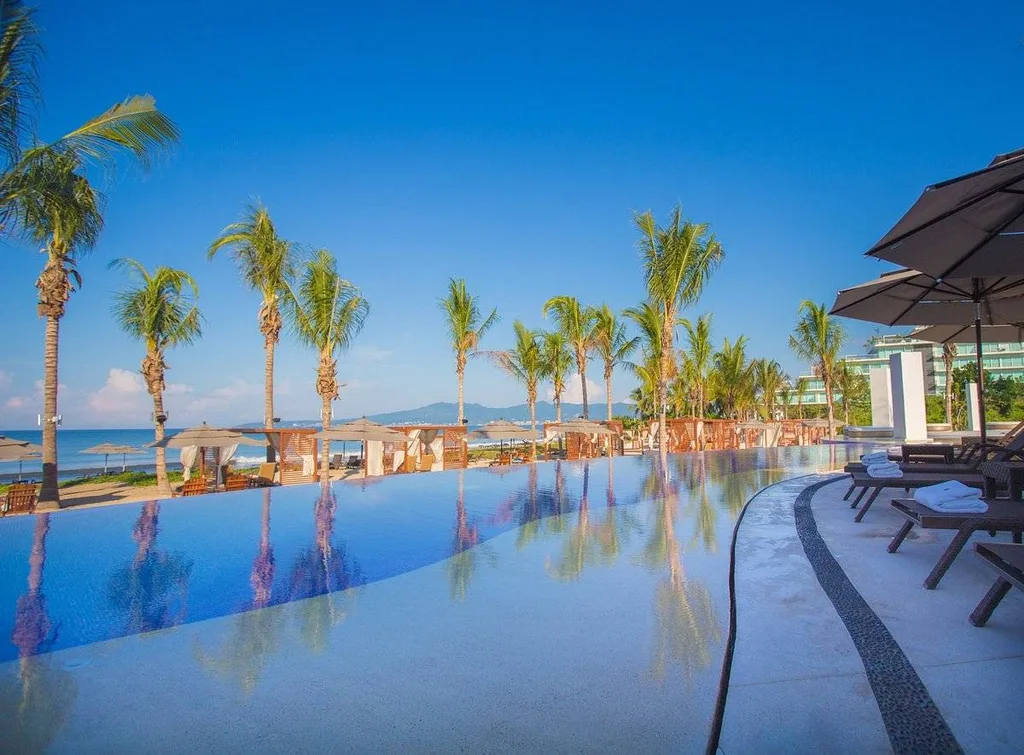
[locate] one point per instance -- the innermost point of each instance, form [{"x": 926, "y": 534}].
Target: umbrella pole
[
  {"x": 105, "y": 457},
  {"x": 981, "y": 370},
  {"x": 124, "y": 462}
]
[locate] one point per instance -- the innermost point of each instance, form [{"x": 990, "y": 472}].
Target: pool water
[{"x": 551, "y": 606}]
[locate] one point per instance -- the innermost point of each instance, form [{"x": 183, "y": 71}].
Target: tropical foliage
[
  {"x": 577, "y": 323},
  {"x": 817, "y": 338},
  {"x": 159, "y": 309},
  {"x": 557, "y": 362},
  {"x": 466, "y": 326},
  {"x": 612, "y": 344},
  {"x": 524, "y": 362}
]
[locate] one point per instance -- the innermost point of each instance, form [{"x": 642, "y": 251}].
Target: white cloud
[
  {"x": 123, "y": 395},
  {"x": 177, "y": 389},
  {"x": 232, "y": 396},
  {"x": 16, "y": 402},
  {"x": 573, "y": 393}
]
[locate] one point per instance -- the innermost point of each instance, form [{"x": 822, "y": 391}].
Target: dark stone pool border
[{"x": 912, "y": 720}]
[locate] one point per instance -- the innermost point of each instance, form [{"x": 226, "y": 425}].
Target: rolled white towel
[
  {"x": 950, "y": 491},
  {"x": 875, "y": 457},
  {"x": 886, "y": 470}
]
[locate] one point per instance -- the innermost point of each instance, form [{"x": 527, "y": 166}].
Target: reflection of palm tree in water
[
  {"x": 465, "y": 537},
  {"x": 692, "y": 468},
  {"x": 686, "y": 623},
  {"x": 324, "y": 570},
  {"x": 579, "y": 548},
  {"x": 152, "y": 591},
  {"x": 35, "y": 709},
  {"x": 255, "y": 634}
]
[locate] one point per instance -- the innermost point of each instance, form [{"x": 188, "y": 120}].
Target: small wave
[{"x": 242, "y": 461}]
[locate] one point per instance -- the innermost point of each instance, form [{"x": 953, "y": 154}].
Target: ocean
[{"x": 72, "y": 462}]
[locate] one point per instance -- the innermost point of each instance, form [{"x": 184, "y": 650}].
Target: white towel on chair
[
  {"x": 951, "y": 496},
  {"x": 885, "y": 470},
  {"x": 875, "y": 457}
]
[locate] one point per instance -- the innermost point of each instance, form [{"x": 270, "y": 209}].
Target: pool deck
[{"x": 840, "y": 648}]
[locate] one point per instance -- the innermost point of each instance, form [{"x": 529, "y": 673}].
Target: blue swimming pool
[{"x": 531, "y": 580}]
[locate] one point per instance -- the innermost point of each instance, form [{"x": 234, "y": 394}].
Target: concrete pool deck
[{"x": 839, "y": 647}]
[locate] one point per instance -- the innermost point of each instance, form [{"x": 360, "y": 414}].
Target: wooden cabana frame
[{"x": 289, "y": 445}]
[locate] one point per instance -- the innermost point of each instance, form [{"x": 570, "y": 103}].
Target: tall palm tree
[
  {"x": 800, "y": 389},
  {"x": 786, "y": 397},
  {"x": 20, "y": 51},
  {"x": 734, "y": 379},
  {"x": 557, "y": 362},
  {"x": 159, "y": 309},
  {"x": 768, "y": 382},
  {"x": 613, "y": 345},
  {"x": 679, "y": 259},
  {"x": 45, "y": 195},
  {"x": 465, "y": 328},
  {"x": 576, "y": 322},
  {"x": 524, "y": 362},
  {"x": 327, "y": 313},
  {"x": 818, "y": 338},
  {"x": 948, "y": 355},
  {"x": 266, "y": 262},
  {"x": 648, "y": 369}
]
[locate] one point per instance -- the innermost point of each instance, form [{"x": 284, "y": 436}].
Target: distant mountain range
[{"x": 446, "y": 413}]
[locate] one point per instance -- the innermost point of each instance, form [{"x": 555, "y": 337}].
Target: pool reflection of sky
[{"x": 79, "y": 577}]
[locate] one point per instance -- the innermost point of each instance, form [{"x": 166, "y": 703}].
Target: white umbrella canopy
[
  {"x": 206, "y": 436},
  {"x": 583, "y": 426},
  {"x": 363, "y": 430}
]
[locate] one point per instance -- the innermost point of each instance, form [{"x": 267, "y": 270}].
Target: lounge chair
[
  {"x": 426, "y": 463},
  {"x": 21, "y": 499},
  {"x": 909, "y": 480},
  {"x": 968, "y": 463},
  {"x": 947, "y": 453},
  {"x": 266, "y": 474},
  {"x": 1002, "y": 516},
  {"x": 236, "y": 482},
  {"x": 193, "y": 487},
  {"x": 353, "y": 462},
  {"x": 337, "y": 461},
  {"x": 1008, "y": 561}
]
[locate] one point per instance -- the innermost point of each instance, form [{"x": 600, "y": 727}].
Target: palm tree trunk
[
  {"x": 268, "y": 390},
  {"x": 831, "y": 410},
  {"x": 533, "y": 424},
  {"x": 461, "y": 375},
  {"x": 581, "y": 364},
  {"x": 949, "y": 390},
  {"x": 49, "y": 495},
  {"x": 666, "y": 354},
  {"x": 163, "y": 485},
  {"x": 608, "y": 391},
  {"x": 558, "y": 407},
  {"x": 325, "y": 459}
]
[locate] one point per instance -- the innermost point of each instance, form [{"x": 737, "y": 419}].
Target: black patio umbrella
[{"x": 909, "y": 297}]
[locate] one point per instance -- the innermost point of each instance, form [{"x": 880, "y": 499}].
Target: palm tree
[
  {"x": 613, "y": 345},
  {"x": 818, "y": 338},
  {"x": 679, "y": 259},
  {"x": 327, "y": 314},
  {"x": 524, "y": 362},
  {"x": 734, "y": 383},
  {"x": 576, "y": 323},
  {"x": 852, "y": 386},
  {"x": 699, "y": 354},
  {"x": 786, "y": 397},
  {"x": 266, "y": 262},
  {"x": 768, "y": 382},
  {"x": 648, "y": 369},
  {"x": 800, "y": 389},
  {"x": 948, "y": 355},
  {"x": 46, "y": 196},
  {"x": 462, "y": 316},
  {"x": 159, "y": 310},
  {"x": 557, "y": 361}
]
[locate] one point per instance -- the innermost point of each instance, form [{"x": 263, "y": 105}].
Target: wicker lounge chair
[
  {"x": 266, "y": 474},
  {"x": 1002, "y": 516},
  {"x": 1008, "y": 561},
  {"x": 21, "y": 499},
  {"x": 909, "y": 480},
  {"x": 236, "y": 482},
  {"x": 194, "y": 487}
]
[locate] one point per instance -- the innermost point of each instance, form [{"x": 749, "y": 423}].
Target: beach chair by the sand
[
  {"x": 1008, "y": 561},
  {"x": 20, "y": 499},
  {"x": 1002, "y": 516},
  {"x": 195, "y": 486}
]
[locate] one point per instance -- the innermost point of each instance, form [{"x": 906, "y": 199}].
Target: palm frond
[{"x": 20, "y": 51}]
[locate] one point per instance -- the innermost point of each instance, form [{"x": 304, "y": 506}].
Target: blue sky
[{"x": 506, "y": 145}]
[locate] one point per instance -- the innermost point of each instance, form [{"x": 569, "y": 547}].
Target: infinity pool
[{"x": 560, "y": 606}]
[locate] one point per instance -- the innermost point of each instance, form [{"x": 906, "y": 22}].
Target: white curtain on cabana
[
  {"x": 187, "y": 456},
  {"x": 437, "y": 450},
  {"x": 224, "y": 455},
  {"x": 374, "y": 458}
]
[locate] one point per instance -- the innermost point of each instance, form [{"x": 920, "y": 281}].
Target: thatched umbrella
[
  {"x": 12, "y": 449},
  {"x": 363, "y": 430},
  {"x": 105, "y": 449},
  {"x": 502, "y": 430},
  {"x": 205, "y": 436}
]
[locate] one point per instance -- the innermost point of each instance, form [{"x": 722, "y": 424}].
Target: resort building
[{"x": 1000, "y": 359}]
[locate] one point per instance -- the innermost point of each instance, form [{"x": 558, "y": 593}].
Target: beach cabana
[
  {"x": 433, "y": 448},
  {"x": 195, "y": 442},
  {"x": 502, "y": 430},
  {"x": 582, "y": 437},
  {"x": 106, "y": 449},
  {"x": 379, "y": 442}
]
